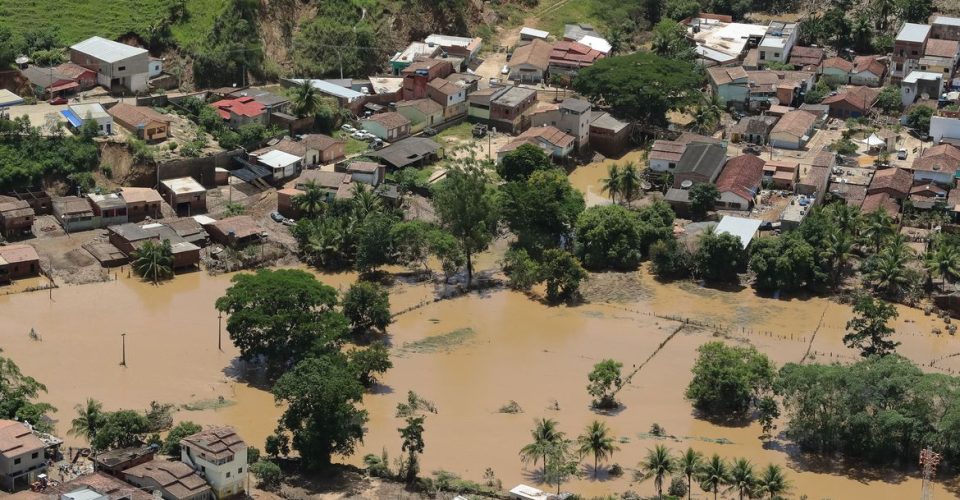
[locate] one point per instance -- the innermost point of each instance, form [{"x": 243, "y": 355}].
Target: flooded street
[
  {"x": 470, "y": 356},
  {"x": 588, "y": 179}
]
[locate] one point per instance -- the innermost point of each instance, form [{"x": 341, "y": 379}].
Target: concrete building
[
  {"x": 945, "y": 27},
  {"x": 241, "y": 111},
  {"x": 116, "y": 64},
  {"x": 185, "y": 195},
  {"x": 141, "y": 203},
  {"x": 221, "y": 456},
  {"x": 556, "y": 143},
  {"x": 74, "y": 213},
  {"x": 451, "y": 95},
  {"x": 793, "y": 130},
  {"x": 16, "y": 217},
  {"x": 530, "y": 34},
  {"x": 942, "y": 127},
  {"x": 782, "y": 174},
  {"x": 700, "y": 164},
  {"x": 608, "y": 135},
  {"x": 723, "y": 43},
  {"x": 457, "y": 46},
  {"x": 664, "y": 155},
  {"x": 22, "y": 456},
  {"x": 389, "y": 126},
  {"x": 510, "y": 109},
  {"x": 777, "y": 42},
  {"x": 908, "y": 48},
  {"x": 78, "y": 114},
  {"x": 422, "y": 113},
  {"x": 407, "y": 56},
  {"x": 572, "y": 116},
  {"x": 753, "y": 129},
  {"x": 143, "y": 122},
  {"x": 937, "y": 164},
  {"x": 172, "y": 479},
  {"x": 941, "y": 56},
  {"x": 114, "y": 462},
  {"x": 282, "y": 165},
  {"x": 418, "y": 74},
  {"x": 530, "y": 62},
  {"x": 918, "y": 84},
  {"x": 18, "y": 261},
  {"x": 108, "y": 209},
  {"x": 729, "y": 84},
  {"x": 852, "y": 102},
  {"x": 235, "y": 231},
  {"x": 568, "y": 58}
]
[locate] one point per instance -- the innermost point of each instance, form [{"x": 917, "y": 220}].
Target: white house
[
  {"x": 155, "y": 67},
  {"x": 942, "y": 127},
  {"x": 918, "y": 83},
  {"x": 221, "y": 458},
  {"x": 284, "y": 165},
  {"x": 115, "y": 63},
  {"x": 777, "y": 42},
  {"x": 77, "y": 114}
]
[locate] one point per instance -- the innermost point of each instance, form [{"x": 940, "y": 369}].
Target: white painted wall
[{"x": 943, "y": 127}]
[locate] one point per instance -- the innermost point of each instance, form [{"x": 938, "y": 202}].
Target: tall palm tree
[
  {"x": 772, "y": 482},
  {"x": 847, "y": 217},
  {"x": 545, "y": 436},
  {"x": 311, "y": 203},
  {"x": 689, "y": 465},
  {"x": 836, "y": 252},
  {"x": 365, "y": 202},
  {"x": 597, "y": 441},
  {"x": 742, "y": 477},
  {"x": 888, "y": 271},
  {"x": 658, "y": 464},
  {"x": 89, "y": 419},
  {"x": 629, "y": 182},
  {"x": 714, "y": 474},
  {"x": 305, "y": 100},
  {"x": 878, "y": 228},
  {"x": 611, "y": 184},
  {"x": 154, "y": 261},
  {"x": 944, "y": 262}
]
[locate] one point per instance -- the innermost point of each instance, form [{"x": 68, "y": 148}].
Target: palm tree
[
  {"x": 89, "y": 419},
  {"x": 878, "y": 228},
  {"x": 742, "y": 478},
  {"x": 305, "y": 100},
  {"x": 689, "y": 465},
  {"x": 888, "y": 271},
  {"x": 836, "y": 252},
  {"x": 154, "y": 261},
  {"x": 365, "y": 202},
  {"x": 658, "y": 464},
  {"x": 545, "y": 436},
  {"x": 661, "y": 45},
  {"x": 943, "y": 262},
  {"x": 611, "y": 184},
  {"x": 773, "y": 482},
  {"x": 629, "y": 182},
  {"x": 597, "y": 441},
  {"x": 311, "y": 203},
  {"x": 847, "y": 217},
  {"x": 714, "y": 474}
]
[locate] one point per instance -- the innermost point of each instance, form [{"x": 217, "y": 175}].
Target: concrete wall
[
  {"x": 942, "y": 127},
  {"x": 202, "y": 169}
]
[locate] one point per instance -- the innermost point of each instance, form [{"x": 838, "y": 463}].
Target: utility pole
[
  {"x": 929, "y": 460},
  {"x": 123, "y": 340},
  {"x": 220, "y": 330}
]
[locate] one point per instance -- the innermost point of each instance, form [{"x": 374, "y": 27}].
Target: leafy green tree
[
  {"x": 640, "y": 87},
  {"x": 658, "y": 464},
  {"x": 562, "y": 273},
  {"x": 679, "y": 10},
  {"x": 321, "y": 395},
  {"x": 268, "y": 474},
  {"x": 90, "y": 418},
  {"x": 670, "y": 260},
  {"x": 703, "y": 198},
  {"x": 767, "y": 413},
  {"x": 411, "y": 243},
  {"x": 786, "y": 263},
  {"x": 121, "y": 429},
  {"x": 670, "y": 40},
  {"x": 597, "y": 440},
  {"x": 154, "y": 261},
  {"x": 374, "y": 248},
  {"x": 605, "y": 381},
  {"x": 521, "y": 163},
  {"x": 412, "y": 436},
  {"x": 689, "y": 465},
  {"x": 742, "y": 478},
  {"x": 609, "y": 236},
  {"x": 868, "y": 330},
  {"x": 448, "y": 251},
  {"x": 277, "y": 444},
  {"x": 545, "y": 434},
  {"x": 542, "y": 209},
  {"x": 467, "y": 208},
  {"x": 817, "y": 93},
  {"x": 772, "y": 482},
  {"x": 719, "y": 257},
  {"x": 370, "y": 362},
  {"x": 312, "y": 203},
  {"x": 522, "y": 271},
  {"x": 889, "y": 100},
  {"x": 281, "y": 316},
  {"x": 17, "y": 392},
  {"x": 232, "y": 47},
  {"x": 919, "y": 119},
  {"x": 562, "y": 463},
  {"x": 367, "y": 305},
  {"x": 340, "y": 40},
  {"x": 915, "y": 11},
  {"x": 728, "y": 381},
  {"x": 171, "y": 445},
  {"x": 714, "y": 474},
  {"x": 678, "y": 487}
]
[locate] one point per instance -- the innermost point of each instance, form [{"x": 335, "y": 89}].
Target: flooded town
[{"x": 516, "y": 249}]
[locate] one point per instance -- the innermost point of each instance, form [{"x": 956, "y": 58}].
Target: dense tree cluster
[
  {"x": 232, "y": 48},
  {"x": 729, "y": 381},
  {"x": 27, "y": 155}
]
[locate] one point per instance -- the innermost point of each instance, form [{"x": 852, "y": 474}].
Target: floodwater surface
[{"x": 469, "y": 356}]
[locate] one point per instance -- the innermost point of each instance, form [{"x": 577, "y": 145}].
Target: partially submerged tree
[
  {"x": 154, "y": 261},
  {"x": 467, "y": 208},
  {"x": 605, "y": 381},
  {"x": 597, "y": 440},
  {"x": 869, "y": 330}
]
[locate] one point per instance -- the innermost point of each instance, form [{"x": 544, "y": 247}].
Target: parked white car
[
  {"x": 358, "y": 135},
  {"x": 346, "y": 127},
  {"x": 505, "y": 70}
]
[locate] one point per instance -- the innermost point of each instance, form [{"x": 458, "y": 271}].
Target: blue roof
[{"x": 72, "y": 118}]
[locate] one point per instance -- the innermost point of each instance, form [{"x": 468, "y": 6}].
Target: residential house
[
  {"x": 422, "y": 113},
  {"x": 941, "y": 56},
  {"x": 700, "y": 164},
  {"x": 530, "y": 34},
  {"x": 451, "y": 95},
  {"x": 282, "y": 165},
  {"x": 114, "y": 462},
  {"x": 367, "y": 172},
  {"x": 555, "y": 142},
  {"x": 937, "y": 164},
  {"x": 509, "y": 110},
  {"x": 189, "y": 229},
  {"x": 945, "y": 27},
  {"x": 116, "y": 64},
  {"x": 879, "y": 201},
  {"x": 729, "y": 84},
  {"x": 74, "y": 213},
  {"x": 943, "y": 128},
  {"x": 530, "y": 62},
  {"x": 16, "y": 261},
  {"x": 918, "y": 84},
  {"x": 333, "y": 185},
  {"x": 781, "y": 174},
  {"x": 22, "y": 456},
  {"x": 575, "y": 31},
  {"x": 927, "y": 194},
  {"x": 16, "y": 217},
  {"x": 173, "y": 479},
  {"x": 222, "y": 457},
  {"x": 154, "y": 67},
  {"x": 346, "y": 97},
  {"x": 457, "y": 46},
  {"x": 235, "y": 231},
  {"x": 78, "y": 114},
  {"x": 777, "y": 42},
  {"x": 108, "y": 209},
  {"x": 753, "y": 129},
  {"x": 608, "y": 135},
  {"x": 272, "y": 103},
  {"x": 64, "y": 79},
  {"x": 836, "y": 70},
  {"x": 908, "y": 48},
  {"x": 567, "y": 58},
  {"x": 821, "y": 111},
  {"x": 814, "y": 182},
  {"x": 143, "y": 122},
  {"x": 572, "y": 116},
  {"x": 129, "y": 237},
  {"x": 778, "y": 87},
  {"x": 320, "y": 149},
  {"x": 739, "y": 182},
  {"x": 867, "y": 70},
  {"x": 469, "y": 81},
  {"x": 478, "y": 103},
  {"x": 793, "y": 130},
  {"x": 95, "y": 486},
  {"x": 389, "y": 126},
  {"x": 419, "y": 73},
  {"x": 141, "y": 203},
  {"x": 664, "y": 155},
  {"x": 409, "y": 152},
  {"x": 405, "y": 58},
  {"x": 895, "y": 182},
  {"x": 806, "y": 58},
  {"x": 241, "y": 111},
  {"x": 719, "y": 42},
  {"x": 185, "y": 195},
  {"x": 852, "y": 102}
]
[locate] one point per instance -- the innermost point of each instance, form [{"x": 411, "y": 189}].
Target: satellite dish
[{"x": 687, "y": 184}]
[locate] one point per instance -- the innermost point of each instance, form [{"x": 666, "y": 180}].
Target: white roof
[
  {"x": 740, "y": 227},
  {"x": 183, "y": 185},
  {"x": 107, "y": 50},
  {"x": 911, "y": 32},
  {"x": 534, "y": 32},
  {"x": 774, "y": 42},
  {"x": 277, "y": 159},
  {"x": 94, "y": 109},
  {"x": 84, "y": 494},
  {"x": 8, "y": 98},
  {"x": 528, "y": 492},
  {"x": 385, "y": 85},
  {"x": 333, "y": 89},
  {"x": 714, "y": 55},
  {"x": 412, "y": 51},
  {"x": 921, "y": 75},
  {"x": 448, "y": 41},
  {"x": 873, "y": 140},
  {"x": 727, "y": 38},
  {"x": 204, "y": 220},
  {"x": 596, "y": 43},
  {"x": 951, "y": 21}
]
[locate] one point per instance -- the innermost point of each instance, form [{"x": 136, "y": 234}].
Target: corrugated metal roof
[
  {"x": 332, "y": 89},
  {"x": 740, "y": 227},
  {"x": 107, "y": 50},
  {"x": 911, "y": 32}
]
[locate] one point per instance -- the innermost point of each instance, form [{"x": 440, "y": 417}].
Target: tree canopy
[
  {"x": 541, "y": 209},
  {"x": 729, "y": 380},
  {"x": 520, "y": 163}
]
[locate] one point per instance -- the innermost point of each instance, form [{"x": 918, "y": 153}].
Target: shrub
[{"x": 268, "y": 474}]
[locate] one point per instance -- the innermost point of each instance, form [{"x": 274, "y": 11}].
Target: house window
[
  {"x": 763, "y": 55},
  {"x": 240, "y": 470},
  {"x": 899, "y": 66},
  {"x": 913, "y": 52},
  {"x": 228, "y": 474},
  {"x": 776, "y": 54},
  {"x": 35, "y": 454},
  {"x": 923, "y": 68},
  {"x": 122, "y": 68},
  {"x": 16, "y": 461}
]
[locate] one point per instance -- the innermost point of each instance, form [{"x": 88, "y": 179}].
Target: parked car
[
  {"x": 479, "y": 130},
  {"x": 369, "y": 137},
  {"x": 358, "y": 135},
  {"x": 277, "y": 217},
  {"x": 376, "y": 144},
  {"x": 429, "y": 131},
  {"x": 901, "y": 154},
  {"x": 346, "y": 127},
  {"x": 289, "y": 222},
  {"x": 58, "y": 100},
  {"x": 505, "y": 70},
  {"x": 494, "y": 82}
]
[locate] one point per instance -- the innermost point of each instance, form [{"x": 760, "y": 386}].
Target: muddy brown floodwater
[{"x": 469, "y": 356}]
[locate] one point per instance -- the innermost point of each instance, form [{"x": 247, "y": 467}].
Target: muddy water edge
[{"x": 470, "y": 356}]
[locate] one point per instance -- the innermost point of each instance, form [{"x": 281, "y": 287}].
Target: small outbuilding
[
  {"x": 236, "y": 231},
  {"x": 185, "y": 195}
]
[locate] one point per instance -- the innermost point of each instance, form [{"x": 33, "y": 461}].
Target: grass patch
[
  {"x": 462, "y": 131},
  {"x": 353, "y": 146},
  {"x": 438, "y": 343},
  {"x": 552, "y": 18},
  {"x": 208, "y": 404}
]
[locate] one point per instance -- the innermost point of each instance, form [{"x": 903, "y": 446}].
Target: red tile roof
[
  {"x": 741, "y": 176},
  {"x": 550, "y": 134},
  {"x": 536, "y": 53},
  {"x": 573, "y": 54},
  {"x": 871, "y": 64},
  {"x": 942, "y": 158},
  {"x": 861, "y": 98},
  {"x": 806, "y": 56},
  {"x": 892, "y": 179},
  {"x": 880, "y": 201},
  {"x": 18, "y": 253},
  {"x": 942, "y": 48},
  {"x": 389, "y": 120},
  {"x": 838, "y": 63},
  {"x": 243, "y": 106}
]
